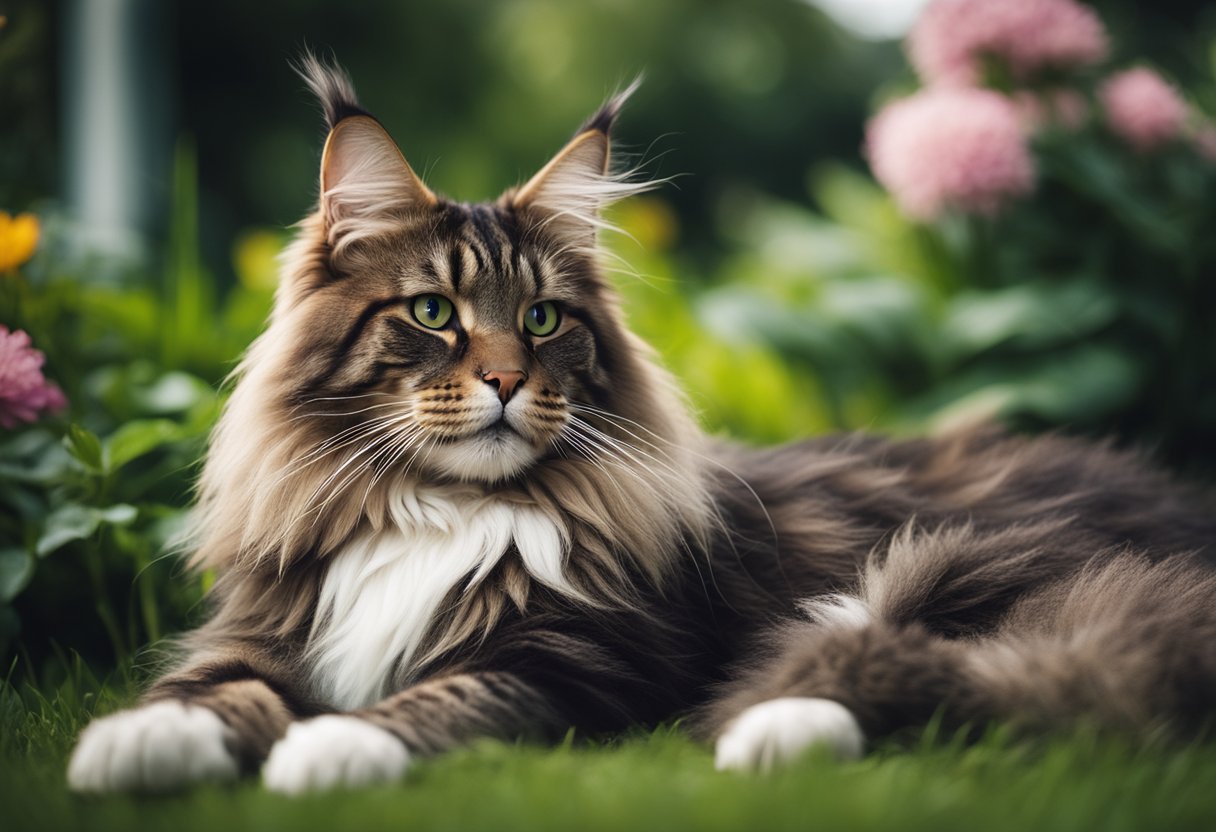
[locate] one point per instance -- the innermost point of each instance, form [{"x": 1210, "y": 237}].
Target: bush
[
  {"x": 92, "y": 496},
  {"x": 1042, "y": 255}
]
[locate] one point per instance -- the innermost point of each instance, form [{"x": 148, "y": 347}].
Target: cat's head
[{"x": 413, "y": 336}]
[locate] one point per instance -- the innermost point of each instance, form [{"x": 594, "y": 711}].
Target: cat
[{"x": 453, "y": 497}]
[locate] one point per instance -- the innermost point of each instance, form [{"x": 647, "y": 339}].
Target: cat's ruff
[{"x": 381, "y": 592}]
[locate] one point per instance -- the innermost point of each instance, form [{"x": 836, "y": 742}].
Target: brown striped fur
[{"x": 1032, "y": 581}]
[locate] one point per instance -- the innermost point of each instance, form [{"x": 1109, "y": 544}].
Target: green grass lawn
[{"x": 654, "y": 781}]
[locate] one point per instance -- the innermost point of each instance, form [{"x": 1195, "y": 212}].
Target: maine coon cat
[{"x": 453, "y": 497}]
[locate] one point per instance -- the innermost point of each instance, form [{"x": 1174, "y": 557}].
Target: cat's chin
[{"x": 490, "y": 456}]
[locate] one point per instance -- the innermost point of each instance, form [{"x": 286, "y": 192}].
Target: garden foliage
[
  {"x": 1041, "y": 253},
  {"x": 1035, "y": 249},
  {"x": 93, "y": 493}
]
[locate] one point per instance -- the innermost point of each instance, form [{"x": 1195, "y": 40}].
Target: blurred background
[{"x": 165, "y": 149}]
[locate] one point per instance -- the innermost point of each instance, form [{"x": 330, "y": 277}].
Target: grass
[{"x": 653, "y": 781}]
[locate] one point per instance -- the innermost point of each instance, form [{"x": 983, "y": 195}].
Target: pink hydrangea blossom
[
  {"x": 950, "y": 149},
  {"x": 1143, "y": 108},
  {"x": 24, "y": 392},
  {"x": 952, "y": 38}
]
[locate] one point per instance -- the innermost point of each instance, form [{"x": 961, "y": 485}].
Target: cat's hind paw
[
  {"x": 334, "y": 752},
  {"x": 153, "y": 748},
  {"x": 779, "y": 731}
]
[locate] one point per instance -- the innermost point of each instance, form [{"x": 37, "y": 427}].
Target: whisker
[
  {"x": 726, "y": 533},
  {"x": 377, "y": 445},
  {"x": 715, "y": 517},
  {"x": 318, "y": 510},
  {"x": 578, "y": 423},
  {"x": 598, "y": 454},
  {"x": 615, "y": 417},
  {"x": 580, "y": 445},
  {"x": 628, "y": 450},
  {"x": 345, "y": 438},
  {"x": 376, "y": 442},
  {"x": 379, "y": 462},
  {"x": 405, "y": 441},
  {"x": 315, "y": 399},
  {"x": 344, "y": 412}
]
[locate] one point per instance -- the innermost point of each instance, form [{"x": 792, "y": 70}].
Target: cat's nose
[{"x": 507, "y": 381}]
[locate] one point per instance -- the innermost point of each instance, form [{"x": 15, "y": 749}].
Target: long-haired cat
[{"x": 453, "y": 497}]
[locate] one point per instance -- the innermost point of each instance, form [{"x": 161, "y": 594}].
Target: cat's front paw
[
  {"x": 780, "y": 730},
  {"x": 153, "y": 748},
  {"x": 334, "y": 752}
]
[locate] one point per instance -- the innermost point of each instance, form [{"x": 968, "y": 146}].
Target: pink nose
[{"x": 506, "y": 381}]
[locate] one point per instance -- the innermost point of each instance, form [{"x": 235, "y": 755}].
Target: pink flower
[
  {"x": 24, "y": 392},
  {"x": 952, "y": 38},
  {"x": 1143, "y": 108},
  {"x": 949, "y": 148}
]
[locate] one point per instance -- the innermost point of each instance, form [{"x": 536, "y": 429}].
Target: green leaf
[
  {"x": 1088, "y": 383},
  {"x": 23, "y": 504},
  {"x": 1078, "y": 386},
  {"x": 39, "y": 458},
  {"x": 119, "y": 514},
  {"x": 847, "y": 196},
  {"x": 173, "y": 392},
  {"x": 71, "y": 522},
  {"x": 85, "y": 446},
  {"x": 135, "y": 439},
  {"x": 1031, "y": 316},
  {"x": 16, "y": 569},
  {"x": 77, "y": 522},
  {"x": 26, "y": 443}
]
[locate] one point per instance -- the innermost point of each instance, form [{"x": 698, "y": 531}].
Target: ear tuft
[
  {"x": 332, "y": 87},
  {"x": 576, "y": 185},
  {"x": 367, "y": 186},
  {"x": 603, "y": 118}
]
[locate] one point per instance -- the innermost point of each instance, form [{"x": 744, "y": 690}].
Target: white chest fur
[{"x": 382, "y": 591}]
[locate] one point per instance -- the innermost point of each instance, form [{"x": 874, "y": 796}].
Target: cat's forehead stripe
[
  {"x": 451, "y": 265},
  {"x": 488, "y": 231},
  {"x": 529, "y": 264},
  {"x": 478, "y": 257},
  {"x": 477, "y": 254},
  {"x": 455, "y": 267}
]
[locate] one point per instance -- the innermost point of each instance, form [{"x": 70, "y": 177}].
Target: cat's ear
[
  {"x": 571, "y": 191},
  {"x": 364, "y": 177}
]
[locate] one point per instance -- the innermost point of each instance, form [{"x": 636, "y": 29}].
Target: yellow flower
[
  {"x": 18, "y": 239},
  {"x": 256, "y": 258},
  {"x": 650, "y": 221}
]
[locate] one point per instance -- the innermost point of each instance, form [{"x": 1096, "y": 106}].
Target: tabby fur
[{"x": 612, "y": 566}]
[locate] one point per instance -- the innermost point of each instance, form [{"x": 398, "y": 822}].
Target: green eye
[
  {"x": 432, "y": 311},
  {"x": 542, "y": 319}
]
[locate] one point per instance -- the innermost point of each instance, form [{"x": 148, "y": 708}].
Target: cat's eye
[
  {"x": 542, "y": 318},
  {"x": 432, "y": 311}
]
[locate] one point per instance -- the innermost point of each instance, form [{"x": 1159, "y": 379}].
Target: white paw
[
  {"x": 155, "y": 748},
  {"x": 333, "y": 752},
  {"x": 780, "y": 730}
]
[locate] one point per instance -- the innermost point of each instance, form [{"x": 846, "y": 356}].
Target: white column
[{"x": 114, "y": 167}]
